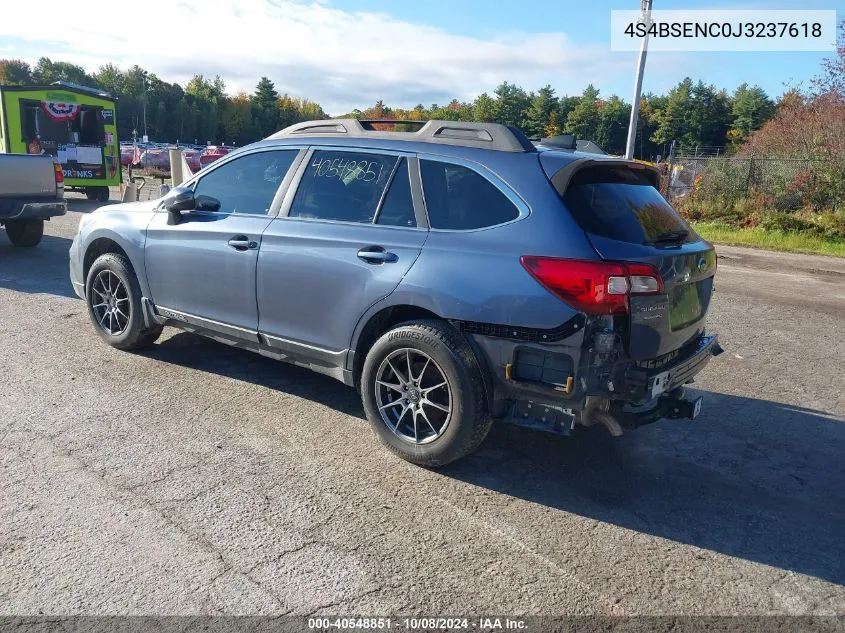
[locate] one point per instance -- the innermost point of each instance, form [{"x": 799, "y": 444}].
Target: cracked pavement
[{"x": 193, "y": 478}]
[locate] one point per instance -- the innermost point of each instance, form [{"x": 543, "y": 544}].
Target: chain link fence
[{"x": 786, "y": 183}]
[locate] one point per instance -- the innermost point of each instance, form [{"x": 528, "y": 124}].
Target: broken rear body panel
[{"x": 628, "y": 366}]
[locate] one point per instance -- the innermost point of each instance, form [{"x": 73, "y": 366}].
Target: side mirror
[{"x": 179, "y": 199}]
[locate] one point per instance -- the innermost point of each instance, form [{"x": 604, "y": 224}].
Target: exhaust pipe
[
  {"x": 609, "y": 422},
  {"x": 596, "y": 411}
]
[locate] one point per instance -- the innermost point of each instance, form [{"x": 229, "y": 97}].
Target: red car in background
[
  {"x": 157, "y": 158},
  {"x": 127, "y": 155},
  {"x": 212, "y": 153}
]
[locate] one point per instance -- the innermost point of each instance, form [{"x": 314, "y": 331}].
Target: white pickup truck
[{"x": 31, "y": 191}]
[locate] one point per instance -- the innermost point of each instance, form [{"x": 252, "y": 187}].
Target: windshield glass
[{"x": 621, "y": 204}]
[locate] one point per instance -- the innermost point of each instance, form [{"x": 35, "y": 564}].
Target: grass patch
[{"x": 792, "y": 241}]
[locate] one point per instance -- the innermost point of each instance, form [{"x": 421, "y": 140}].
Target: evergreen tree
[
  {"x": 265, "y": 108},
  {"x": 565, "y": 105},
  {"x": 612, "y": 132},
  {"x": 552, "y": 127},
  {"x": 511, "y": 104},
  {"x": 542, "y": 105},
  {"x": 752, "y": 107},
  {"x": 484, "y": 108},
  {"x": 584, "y": 119}
]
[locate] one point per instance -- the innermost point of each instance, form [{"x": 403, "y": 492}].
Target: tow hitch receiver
[{"x": 679, "y": 408}]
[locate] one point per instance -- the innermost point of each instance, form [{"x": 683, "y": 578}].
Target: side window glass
[
  {"x": 246, "y": 184},
  {"x": 342, "y": 186},
  {"x": 460, "y": 198},
  {"x": 397, "y": 209}
]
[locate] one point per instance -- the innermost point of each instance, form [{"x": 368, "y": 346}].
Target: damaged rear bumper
[
  {"x": 561, "y": 395},
  {"x": 644, "y": 385}
]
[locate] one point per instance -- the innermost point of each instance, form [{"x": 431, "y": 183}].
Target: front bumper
[
  {"x": 76, "y": 269},
  {"x": 24, "y": 210}
]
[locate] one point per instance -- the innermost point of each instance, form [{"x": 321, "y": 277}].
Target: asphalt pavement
[{"x": 193, "y": 478}]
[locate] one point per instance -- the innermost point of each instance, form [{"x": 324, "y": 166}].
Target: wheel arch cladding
[
  {"x": 389, "y": 317},
  {"x": 379, "y": 323},
  {"x": 100, "y": 246}
]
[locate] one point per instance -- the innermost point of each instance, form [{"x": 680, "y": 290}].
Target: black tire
[
  {"x": 134, "y": 335},
  {"x": 468, "y": 421},
  {"x": 100, "y": 194},
  {"x": 25, "y": 232}
]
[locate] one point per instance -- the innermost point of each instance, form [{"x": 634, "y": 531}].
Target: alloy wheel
[
  {"x": 413, "y": 396},
  {"x": 110, "y": 303}
]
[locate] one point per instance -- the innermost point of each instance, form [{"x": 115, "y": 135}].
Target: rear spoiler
[{"x": 561, "y": 177}]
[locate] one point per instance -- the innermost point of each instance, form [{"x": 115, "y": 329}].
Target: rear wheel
[
  {"x": 25, "y": 232},
  {"x": 114, "y": 304},
  {"x": 100, "y": 194},
  {"x": 424, "y": 395}
]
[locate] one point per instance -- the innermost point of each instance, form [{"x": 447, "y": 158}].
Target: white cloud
[{"x": 339, "y": 58}]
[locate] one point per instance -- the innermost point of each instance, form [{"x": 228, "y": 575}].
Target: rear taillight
[
  {"x": 595, "y": 287},
  {"x": 60, "y": 175}
]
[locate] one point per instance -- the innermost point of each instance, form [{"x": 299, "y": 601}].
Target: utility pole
[
  {"x": 144, "y": 80},
  {"x": 645, "y": 18}
]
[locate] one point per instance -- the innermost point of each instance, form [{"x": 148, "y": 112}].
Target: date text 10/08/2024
[{"x": 417, "y": 624}]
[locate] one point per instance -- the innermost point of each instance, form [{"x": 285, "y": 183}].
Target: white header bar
[{"x": 725, "y": 30}]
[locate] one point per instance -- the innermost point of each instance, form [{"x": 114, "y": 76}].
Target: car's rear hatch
[{"x": 626, "y": 219}]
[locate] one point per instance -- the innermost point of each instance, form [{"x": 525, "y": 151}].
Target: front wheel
[
  {"x": 424, "y": 394},
  {"x": 114, "y": 303},
  {"x": 25, "y": 232}
]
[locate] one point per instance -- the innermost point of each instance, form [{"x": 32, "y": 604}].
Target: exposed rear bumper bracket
[
  {"x": 647, "y": 385},
  {"x": 675, "y": 406}
]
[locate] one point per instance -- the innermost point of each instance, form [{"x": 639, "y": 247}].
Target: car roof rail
[{"x": 494, "y": 136}]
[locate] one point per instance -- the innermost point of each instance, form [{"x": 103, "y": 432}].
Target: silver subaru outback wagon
[{"x": 453, "y": 273}]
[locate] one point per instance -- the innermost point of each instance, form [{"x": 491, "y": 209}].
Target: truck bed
[{"x": 29, "y": 177}]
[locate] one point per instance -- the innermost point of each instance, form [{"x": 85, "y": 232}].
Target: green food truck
[{"x": 74, "y": 124}]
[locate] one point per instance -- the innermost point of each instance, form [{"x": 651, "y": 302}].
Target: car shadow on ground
[
  {"x": 39, "y": 269},
  {"x": 751, "y": 478},
  {"x": 80, "y": 204}
]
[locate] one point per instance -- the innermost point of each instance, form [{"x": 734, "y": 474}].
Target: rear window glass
[
  {"x": 621, "y": 204},
  {"x": 458, "y": 198}
]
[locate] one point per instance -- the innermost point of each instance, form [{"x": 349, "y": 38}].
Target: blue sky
[
  {"x": 348, "y": 53},
  {"x": 589, "y": 22}
]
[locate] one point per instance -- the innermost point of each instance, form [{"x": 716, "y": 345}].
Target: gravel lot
[{"x": 198, "y": 479}]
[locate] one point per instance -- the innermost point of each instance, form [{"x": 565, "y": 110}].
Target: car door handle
[
  {"x": 376, "y": 255},
  {"x": 242, "y": 243}
]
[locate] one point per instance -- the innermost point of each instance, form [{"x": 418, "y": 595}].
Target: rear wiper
[{"x": 670, "y": 237}]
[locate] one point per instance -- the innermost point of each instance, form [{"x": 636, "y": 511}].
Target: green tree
[
  {"x": 752, "y": 107},
  {"x": 511, "y": 104},
  {"x": 710, "y": 117},
  {"x": 265, "y": 95},
  {"x": 694, "y": 115},
  {"x": 484, "y": 108},
  {"x": 14, "y": 72},
  {"x": 542, "y": 105},
  {"x": 237, "y": 122},
  {"x": 673, "y": 114},
  {"x": 265, "y": 107},
  {"x": 47, "y": 71},
  {"x": 552, "y": 127},
  {"x": 612, "y": 132},
  {"x": 584, "y": 119},
  {"x": 202, "y": 88},
  {"x": 565, "y": 105}
]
